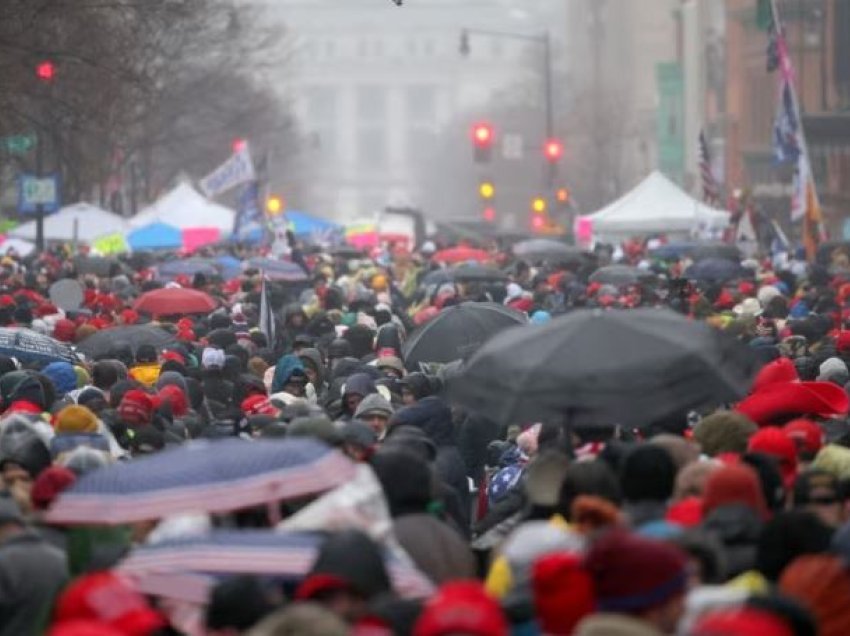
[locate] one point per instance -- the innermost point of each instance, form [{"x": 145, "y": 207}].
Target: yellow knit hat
[{"x": 76, "y": 419}]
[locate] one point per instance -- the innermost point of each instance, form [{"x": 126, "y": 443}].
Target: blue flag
[
  {"x": 786, "y": 128},
  {"x": 249, "y": 225}
]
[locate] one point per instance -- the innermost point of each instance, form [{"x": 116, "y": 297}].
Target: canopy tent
[
  {"x": 81, "y": 221},
  {"x": 186, "y": 209},
  {"x": 155, "y": 236},
  {"x": 303, "y": 224},
  {"x": 655, "y": 206}
]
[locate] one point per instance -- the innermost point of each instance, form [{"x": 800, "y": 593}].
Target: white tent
[
  {"x": 656, "y": 206},
  {"x": 185, "y": 208},
  {"x": 81, "y": 221}
]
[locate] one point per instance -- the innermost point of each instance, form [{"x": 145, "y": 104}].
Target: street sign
[
  {"x": 512, "y": 146},
  {"x": 36, "y": 191},
  {"x": 19, "y": 144}
]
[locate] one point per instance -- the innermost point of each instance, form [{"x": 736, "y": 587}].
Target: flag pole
[{"x": 787, "y": 68}]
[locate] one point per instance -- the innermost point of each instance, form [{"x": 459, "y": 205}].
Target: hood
[
  {"x": 352, "y": 557},
  {"x": 314, "y": 358},
  {"x": 21, "y": 444},
  {"x": 389, "y": 337},
  {"x": 30, "y": 390},
  {"x": 171, "y": 378},
  {"x": 374, "y": 402},
  {"x": 734, "y": 524},
  {"x": 62, "y": 375},
  {"x": 361, "y": 384},
  {"x": 285, "y": 368},
  {"x": 9, "y": 382},
  {"x": 432, "y": 415},
  {"x": 293, "y": 309}
]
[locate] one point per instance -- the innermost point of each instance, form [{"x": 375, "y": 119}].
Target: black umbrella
[
  {"x": 468, "y": 272},
  {"x": 619, "y": 275},
  {"x": 104, "y": 341},
  {"x": 457, "y": 332},
  {"x": 29, "y": 346},
  {"x": 188, "y": 267},
  {"x": 98, "y": 265},
  {"x": 597, "y": 367},
  {"x": 717, "y": 270},
  {"x": 725, "y": 251},
  {"x": 346, "y": 251},
  {"x": 282, "y": 271},
  {"x": 549, "y": 250}
]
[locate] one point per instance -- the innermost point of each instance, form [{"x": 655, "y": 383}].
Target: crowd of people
[{"x": 728, "y": 522}]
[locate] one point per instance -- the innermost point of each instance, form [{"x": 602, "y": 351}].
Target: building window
[
  {"x": 371, "y": 105},
  {"x": 422, "y": 105},
  {"x": 371, "y": 148}
]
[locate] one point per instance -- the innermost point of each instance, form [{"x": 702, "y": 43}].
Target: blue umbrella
[
  {"x": 28, "y": 346},
  {"x": 188, "y": 267},
  {"x": 187, "y": 568},
  {"x": 230, "y": 266},
  {"x": 673, "y": 251},
  {"x": 202, "y": 476},
  {"x": 717, "y": 270},
  {"x": 303, "y": 224},
  {"x": 279, "y": 270},
  {"x": 156, "y": 236}
]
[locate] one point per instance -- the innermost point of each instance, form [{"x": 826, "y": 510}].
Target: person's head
[
  {"x": 146, "y": 354},
  {"x": 588, "y": 478},
  {"x": 775, "y": 441},
  {"x": 735, "y": 484},
  {"x": 822, "y": 584},
  {"x": 640, "y": 577},
  {"x": 461, "y": 607},
  {"x": 414, "y": 387},
  {"x": 724, "y": 432},
  {"x": 104, "y": 375},
  {"x": 787, "y": 536},
  {"x": 648, "y": 474},
  {"x": 819, "y": 492},
  {"x": 375, "y": 411}
]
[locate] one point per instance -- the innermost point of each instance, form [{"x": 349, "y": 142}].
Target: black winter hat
[
  {"x": 405, "y": 478},
  {"x": 787, "y": 536},
  {"x": 146, "y": 354},
  {"x": 20, "y": 444},
  {"x": 648, "y": 474},
  {"x": 354, "y": 558}
]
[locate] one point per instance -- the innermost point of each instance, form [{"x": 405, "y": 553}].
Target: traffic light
[
  {"x": 553, "y": 149},
  {"x": 487, "y": 190},
  {"x": 482, "y": 140},
  {"x": 239, "y": 144},
  {"x": 45, "y": 71},
  {"x": 489, "y": 214},
  {"x": 538, "y": 205},
  {"x": 274, "y": 205},
  {"x": 538, "y": 222}
]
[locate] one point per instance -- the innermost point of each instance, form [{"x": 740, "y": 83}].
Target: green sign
[{"x": 19, "y": 144}]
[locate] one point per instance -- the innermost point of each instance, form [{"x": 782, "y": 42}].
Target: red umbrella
[
  {"x": 461, "y": 254},
  {"x": 175, "y": 301}
]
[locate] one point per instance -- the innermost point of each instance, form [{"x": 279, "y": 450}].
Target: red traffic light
[
  {"x": 239, "y": 145},
  {"x": 482, "y": 134},
  {"x": 553, "y": 149},
  {"x": 538, "y": 222},
  {"x": 563, "y": 195},
  {"x": 45, "y": 71},
  {"x": 489, "y": 214}
]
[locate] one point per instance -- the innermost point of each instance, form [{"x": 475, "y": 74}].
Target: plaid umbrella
[
  {"x": 187, "y": 569},
  {"x": 202, "y": 476},
  {"x": 29, "y": 346}
]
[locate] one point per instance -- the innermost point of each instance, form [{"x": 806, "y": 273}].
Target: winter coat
[
  {"x": 615, "y": 625},
  {"x": 436, "y": 548},
  {"x": 285, "y": 368},
  {"x": 474, "y": 434},
  {"x": 737, "y": 527},
  {"x": 359, "y": 384},
  {"x": 32, "y": 572}
]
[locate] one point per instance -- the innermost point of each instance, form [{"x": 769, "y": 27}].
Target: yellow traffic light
[
  {"x": 563, "y": 195},
  {"x": 538, "y": 205},
  {"x": 487, "y": 190},
  {"x": 274, "y": 205}
]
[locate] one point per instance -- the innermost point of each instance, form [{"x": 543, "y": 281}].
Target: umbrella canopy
[
  {"x": 717, "y": 250},
  {"x": 187, "y": 569},
  {"x": 457, "y": 332},
  {"x": 347, "y": 251},
  {"x": 174, "y": 302},
  {"x": 230, "y": 266},
  {"x": 549, "y": 250},
  {"x": 605, "y": 367},
  {"x": 155, "y": 236},
  {"x": 673, "y": 251},
  {"x": 202, "y": 476},
  {"x": 716, "y": 270},
  {"x": 103, "y": 342},
  {"x": 461, "y": 254},
  {"x": 187, "y": 267},
  {"x": 619, "y": 275},
  {"x": 28, "y": 346},
  {"x": 97, "y": 265},
  {"x": 468, "y": 272},
  {"x": 279, "y": 270}
]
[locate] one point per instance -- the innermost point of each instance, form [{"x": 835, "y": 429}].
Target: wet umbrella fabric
[
  {"x": 605, "y": 367},
  {"x": 714, "y": 270},
  {"x": 619, "y": 275},
  {"x": 202, "y": 476},
  {"x": 457, "y": 332},
  {"x": 174, "y": 302},
  {"x": 186, "y": 569},
  {"x": 549, "y": 250},
  {"x": 102, "y": 342},
  {"x": 469, "y": 272},
  {"x": 29, "y": 346},
  {"x": 461, "y": 254},
  {"x": 278, "y": 270},
  {"x": 724, "y": 251},
  {"x": 187, "y": 267}
]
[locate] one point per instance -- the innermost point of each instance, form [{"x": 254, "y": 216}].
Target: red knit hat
[
  {"x": 257, "y": 405},
  {"x": 129, "y": 317},
  {"x": 110, "y": 599},
  {"x": 745, "y": 621},
  {"x": 775, "y": 441},
  {"x": 461, "y": 607},
  {"x": 631, "y": 573},
  {"x": 842, "y": 341},
  {"x": 185, "y": 323},
  {"x": 65, "y": 330},
  {"x": 563, "y": 593},
  {"x": 176, "y": 397},
  {"x": 47, "y": 309},
  {"x": 686, "y": 513},
  {"x": 734, "y": 484},
  {"x": 49, "y": 484},
  {"x": 173, "y": 356},
  {"x": 186, "y": 335},
  {"x": 807, "y": 435},
  {"x": 136, "y": 408}
]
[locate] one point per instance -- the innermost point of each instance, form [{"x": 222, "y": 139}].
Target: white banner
[{"x": 235, "y": 171}]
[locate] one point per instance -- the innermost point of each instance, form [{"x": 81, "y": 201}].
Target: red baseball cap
[
  {"x": 461, "y": 607},
  {"x": 808, "y": 436},
  {"x": 775, "y": 441}
]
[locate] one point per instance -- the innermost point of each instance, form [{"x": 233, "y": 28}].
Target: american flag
[{"x": 710, "y": 187}]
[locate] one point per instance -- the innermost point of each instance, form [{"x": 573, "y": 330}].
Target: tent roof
[
  {"x": 656, "y": 204},
  {"x": 92, "y": 223},
  {"x": 185, "y": 208}
]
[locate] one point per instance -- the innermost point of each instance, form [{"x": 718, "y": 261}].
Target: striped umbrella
[
  {"x": 202, "y": 476},
  {"x": 187, "y": 569}
]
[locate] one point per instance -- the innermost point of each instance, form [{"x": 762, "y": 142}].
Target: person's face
[
  {"x": 407, "y": 397},
  {"x": 377, "y": 422},
  {"x": 296, "y": 320},
  {"x": 294, "y": 388},
  {"x": 311, "y": 374},
  {"x": 391, "y": 373},
  {"x": 352, "y": 401},
  {"x": 827, "y": 506},
  {"x": 15, "y": 477}
]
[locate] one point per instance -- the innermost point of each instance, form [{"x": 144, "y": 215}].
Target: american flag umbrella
[
  {"x": 187, "y": 569},
  {"x": 30, "y": 346},
  {"x": 202, "y": 476}
]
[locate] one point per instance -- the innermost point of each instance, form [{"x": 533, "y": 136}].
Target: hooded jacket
[
  {"x": 62, "y": 375},
  {"x": 314, "y": 357},
  {"x": 357, "y": 384},
  {"x": 285, "y": 368}
]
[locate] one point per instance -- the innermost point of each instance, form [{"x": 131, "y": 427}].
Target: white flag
[{"x": 235, "y": 171}]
